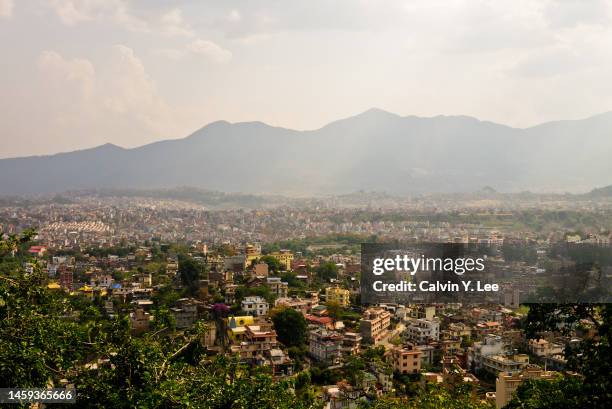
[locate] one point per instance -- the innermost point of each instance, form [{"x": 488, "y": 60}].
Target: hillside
[{"x": 375, "y": 150}]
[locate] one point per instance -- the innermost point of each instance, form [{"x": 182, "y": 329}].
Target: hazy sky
[{"x": 80, "y": 73}]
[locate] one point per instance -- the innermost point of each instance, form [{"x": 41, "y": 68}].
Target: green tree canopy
[{"x": 290, "y": 327}]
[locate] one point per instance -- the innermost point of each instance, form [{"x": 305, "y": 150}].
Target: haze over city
[{"x": 84, "y": 73}]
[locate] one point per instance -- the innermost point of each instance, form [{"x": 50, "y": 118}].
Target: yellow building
[
  {"x": 337, "y": 295},
  {"x": 253, "y": 252},
  {"x": 285, "y": 257},
  {"x": 236, "y": 327}
]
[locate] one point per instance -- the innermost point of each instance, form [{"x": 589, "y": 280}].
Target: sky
[{"x": 80, "y": 73}]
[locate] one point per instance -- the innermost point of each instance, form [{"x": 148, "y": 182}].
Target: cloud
[
  {"x": 174, "y": 25},
  {"x": 73, "y": 12},
  {"x": 198, "y": 48},
  {"x": 570, "y": 13},
  {"x": 6, "y": 8},
  {"x": 210, "y": 50},
  {"x": 117, "y": 101}
]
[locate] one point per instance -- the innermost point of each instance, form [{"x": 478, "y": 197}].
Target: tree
[
  {"x": 435, "y": 397},
  {"x": 290, "y": 327},
  {"x": 109, "y": 367},
  {"x": 334, "y": 310},
  {"x": 327, "y": 271},
  {"x": 274, "y": 265},
  {"x": 561, "y": 393},
  {"x": 190, "y": 271},
  {"x": 590, "y": 358}
]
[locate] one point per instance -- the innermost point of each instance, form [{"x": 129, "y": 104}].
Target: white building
[
  {"x": 255, "y": 306},
  {"x": 422, "y": 330}
]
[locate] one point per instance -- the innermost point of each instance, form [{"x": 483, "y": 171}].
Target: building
[
  {"x": 185, "y": 313},
  {"x": 406, "y": 359},
  {"x": 252, "y": 252},
  {"x": 337, "y": 295},
  {"x": 257, "y": 341},
  {"x": 422, "y": 331},
  {"x": 65, "y": 280},
  {"x": 37, "y": 251},
  {"x": 255, "y": 305},
  {"x": 277, "y": 287},
  {"x": 325, "y": 346},
  {"x": 302, "y": 305},
  {"x": 260, "y": 270},
  {"x": 375, "y": 325},
  {"x": 351, "y": 343},
  {"x": 490, "y": 345},
  {"x": 508, "y": 382},
  {"x": 423, "y": 312},
  {"x": 285, "y": 257},
  {"x": 139, "y": 320},
  {"x": 542, "y": 348},
  {"x": 505, "y": 363},
  {"x": 341, "y": 396}
]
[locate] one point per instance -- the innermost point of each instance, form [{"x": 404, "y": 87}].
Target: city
[{"x": 277, "y": 292}]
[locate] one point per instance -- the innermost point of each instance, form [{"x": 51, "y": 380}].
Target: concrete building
[
  {"x": 325, "y": 346},
  {"x": 351, "y": 343},
  {"x": 406, "y": 359},
  {"x": 507, "y": 382},
  {"x": 302, "y": 305},
  {"x": 255, "y": 306},
  {"x": 185, "y": 313},
  {"x": 375, "y": 325},
  {"x": 542, "y": 347},
  {"x": 139, "y": 321},
  {"x": 505, "y": 363},
  {"x": 422, "y": 331},
  {"x": 277, "y": 287},
  {"x": 337, "y": 295},
  {"x": 285, "y": 257},
  {"x": 490, "y": 345}
]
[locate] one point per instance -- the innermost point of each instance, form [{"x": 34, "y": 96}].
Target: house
[
  {"x": 542, "y": 348},
  {"x": 139, "y": 320},
  {"x": 422, "y": 330},
  {"x": 277, "y": 287},
  {"x": 325, "y": 346},
  {"x": 255, "y": 305},
  {"x": 375, "y": 324},
  {"x": 351, "y": 343},
  {"x": 37, "y": 251},
  {"x": 185, "y": 312},
  {"x": 406, "y": 359}
]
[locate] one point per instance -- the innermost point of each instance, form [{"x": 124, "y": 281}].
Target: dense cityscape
[{"x": 276, "y": 292}]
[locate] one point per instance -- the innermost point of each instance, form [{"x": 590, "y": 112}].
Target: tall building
[
  {"x": 375, "y": 324},
  {"x": 337, "y": 295},
  {"x": 285, "y": 257}
]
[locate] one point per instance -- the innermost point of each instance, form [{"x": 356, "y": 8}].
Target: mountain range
[{"x": 375, "y": 150}]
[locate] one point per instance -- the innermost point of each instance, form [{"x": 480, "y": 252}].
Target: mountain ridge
[{"x": 374, "y": 150}]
